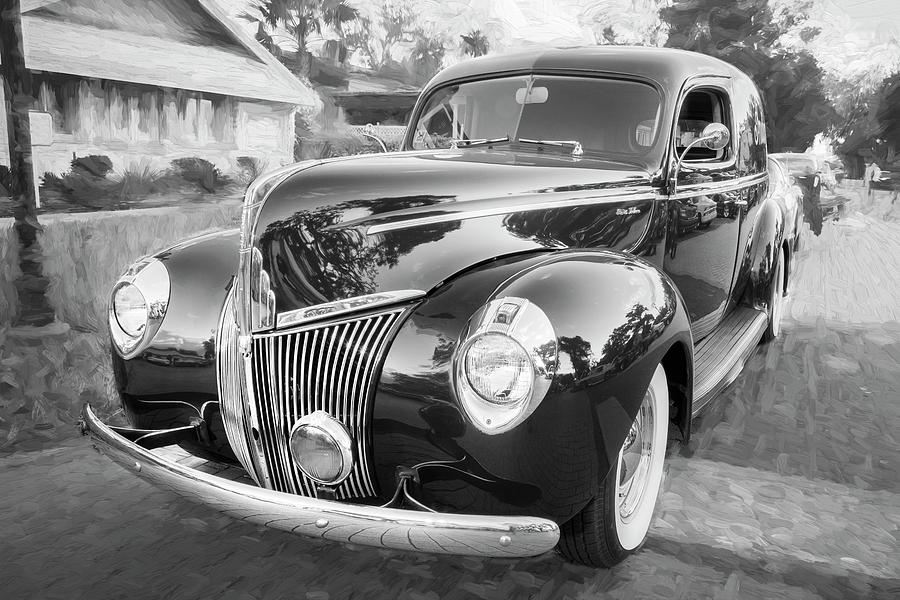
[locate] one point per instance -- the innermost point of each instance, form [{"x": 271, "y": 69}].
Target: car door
[{"x": 701, "y": 248}]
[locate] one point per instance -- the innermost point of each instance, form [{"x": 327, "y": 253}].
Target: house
[{"x": 147, "y": 81}]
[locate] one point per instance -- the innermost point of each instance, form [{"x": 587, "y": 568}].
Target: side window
[{"x": 700, "y": 108}]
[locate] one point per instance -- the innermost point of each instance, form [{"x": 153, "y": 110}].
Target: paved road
[{"x": 789, "y": 489}]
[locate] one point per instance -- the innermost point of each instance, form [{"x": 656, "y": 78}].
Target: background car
[
  {"x": 816, "y": 184},
  {"x": 708, "y": 210}
]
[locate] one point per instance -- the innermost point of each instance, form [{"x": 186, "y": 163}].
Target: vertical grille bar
[
  {"x": 233, "y": 395},
  {"x": 330, "y": 367}
]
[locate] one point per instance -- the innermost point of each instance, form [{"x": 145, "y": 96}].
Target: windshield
[{"x": 618, "y": 120}]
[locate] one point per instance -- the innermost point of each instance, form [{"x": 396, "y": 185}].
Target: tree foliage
[
  {"x": 301, "y": 19},
  {"x": 873, "y": 128},
  {"x": 475, "y": 43},
  {"x": 746, "y": 34}
]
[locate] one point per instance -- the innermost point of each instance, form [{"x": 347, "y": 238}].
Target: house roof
[{"x": 182, "y": 44}]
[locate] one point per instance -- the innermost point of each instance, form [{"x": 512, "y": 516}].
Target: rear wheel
[
  {"x": 616, "y": 521},
  {"x": 776, "y": 301}
]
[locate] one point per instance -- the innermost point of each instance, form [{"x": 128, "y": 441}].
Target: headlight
[
  {"x": 499, "y": 369},
  {"x": 505, "y": 363},
  {"x": 130, "y": 309},
  {"x": 137, "y": 306},
  {"x": 322, "y": 448}
]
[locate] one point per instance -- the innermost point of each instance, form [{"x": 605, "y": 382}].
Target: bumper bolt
[
  {"x": 505, "y": 540},
  {"x": 322, "y": 523},
  {"x": 137, "y": 467}
]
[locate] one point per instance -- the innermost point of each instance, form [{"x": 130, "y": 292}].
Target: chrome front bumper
[{"x": 439, "y": 533}]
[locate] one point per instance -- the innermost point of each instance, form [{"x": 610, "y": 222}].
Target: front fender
[
  {"x": 168, "y": 381},
  {"x": 615, "y": 316}
]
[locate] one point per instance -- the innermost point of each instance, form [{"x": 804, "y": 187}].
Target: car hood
[{"x": 355, "y": 226}]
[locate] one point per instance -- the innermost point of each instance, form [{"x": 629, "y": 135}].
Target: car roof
[{"x": 668, "y": 67}]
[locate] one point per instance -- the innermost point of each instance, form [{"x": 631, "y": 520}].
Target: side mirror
[
  {"x": 369, "y": 132},
  {"x": 715, "y": 136}
]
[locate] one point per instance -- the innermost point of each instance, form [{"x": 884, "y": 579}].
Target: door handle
[{"x": 740, "y": 203}]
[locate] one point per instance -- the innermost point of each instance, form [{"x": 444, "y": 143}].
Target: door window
[{"x": 700, "y": 108}]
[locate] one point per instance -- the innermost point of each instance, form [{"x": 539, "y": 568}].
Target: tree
[
  {"x": 746, "y": 34},
  {"x": 301, "y": 19},
  {"x": 475, "y": 43},
  {"x": 873, "y": 127},
  {"x": 31, "y": 286}
]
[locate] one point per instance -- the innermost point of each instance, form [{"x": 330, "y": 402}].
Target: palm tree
[
  {"x": 301, "y": 19},
  {"x": 31, "y": 286},
  {"x": 336, "y": 16},
  {"x": 476, "y": 43}
]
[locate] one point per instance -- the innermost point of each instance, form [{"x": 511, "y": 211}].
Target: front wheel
[{"x": 615, "y": 522}]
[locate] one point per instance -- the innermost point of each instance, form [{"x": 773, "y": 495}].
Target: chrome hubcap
[{"x": 634, "y": 459}]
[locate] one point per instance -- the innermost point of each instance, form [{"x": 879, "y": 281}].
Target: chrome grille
[{"x": 330, "y": 367}]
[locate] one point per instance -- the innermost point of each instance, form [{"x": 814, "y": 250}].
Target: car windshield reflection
[{"x": 608, "y": 118}]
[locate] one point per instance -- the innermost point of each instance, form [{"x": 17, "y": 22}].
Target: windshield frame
[{"x": 651, "y": 160}]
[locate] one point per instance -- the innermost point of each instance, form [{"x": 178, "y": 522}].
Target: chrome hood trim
[
  {"x": 342, "y": 307},
  {"x": 437, "y": 533}
]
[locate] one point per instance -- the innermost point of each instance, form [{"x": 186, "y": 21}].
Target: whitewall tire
[{"x": 616, "y": 521}]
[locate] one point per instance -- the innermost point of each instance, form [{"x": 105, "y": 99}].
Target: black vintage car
[{"x": 476, "y": 345}]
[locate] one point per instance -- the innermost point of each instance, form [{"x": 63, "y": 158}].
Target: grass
[{"x": 44, "y": 381}]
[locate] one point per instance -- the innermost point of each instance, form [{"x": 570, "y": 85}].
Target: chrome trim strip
[
  {"x": 718, "y": 187},
  {"x": 460, "y": 213},
  {"x": 341, "y": 307},
  {"x": 410, "y": 530}
]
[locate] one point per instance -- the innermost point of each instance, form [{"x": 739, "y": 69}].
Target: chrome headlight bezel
[
  {"x": 529, "y": 327},
  {"x": 151, "y": 279}
]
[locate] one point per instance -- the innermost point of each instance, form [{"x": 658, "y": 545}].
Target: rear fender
[{"x": 759, "y": 260}]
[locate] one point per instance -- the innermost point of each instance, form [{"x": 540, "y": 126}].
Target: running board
[{"x": 720, "y": 356}]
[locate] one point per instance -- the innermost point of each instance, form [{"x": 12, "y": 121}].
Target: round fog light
[{"x": 322, "y": 448}]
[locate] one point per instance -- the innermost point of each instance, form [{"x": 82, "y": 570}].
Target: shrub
[
  {"x": 138, "y": 181},
  {"x": 85, "y": 183},
  {"x": 250, "y": 168},
  {"x": 97, "y": 165},
  {"x": 329, "y": 146},
  {"x": 199, "y": 171}
]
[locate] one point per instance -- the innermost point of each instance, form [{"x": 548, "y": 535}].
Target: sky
[{"x": 871, "y": 14}]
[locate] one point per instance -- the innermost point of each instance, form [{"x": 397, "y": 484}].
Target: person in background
[{"x": 871, "y": 174}]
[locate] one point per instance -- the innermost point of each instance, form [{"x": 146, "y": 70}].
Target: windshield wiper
[
  {"x": 468, "y": 143},
  {"x": 577, "y": 150}
]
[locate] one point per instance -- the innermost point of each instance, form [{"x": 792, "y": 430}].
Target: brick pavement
[{"x": 789, "y": 489}]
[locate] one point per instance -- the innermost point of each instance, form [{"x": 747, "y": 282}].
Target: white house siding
[
  {"x": 115, "y": 76},
  {"x": 137, "y": 126}
]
